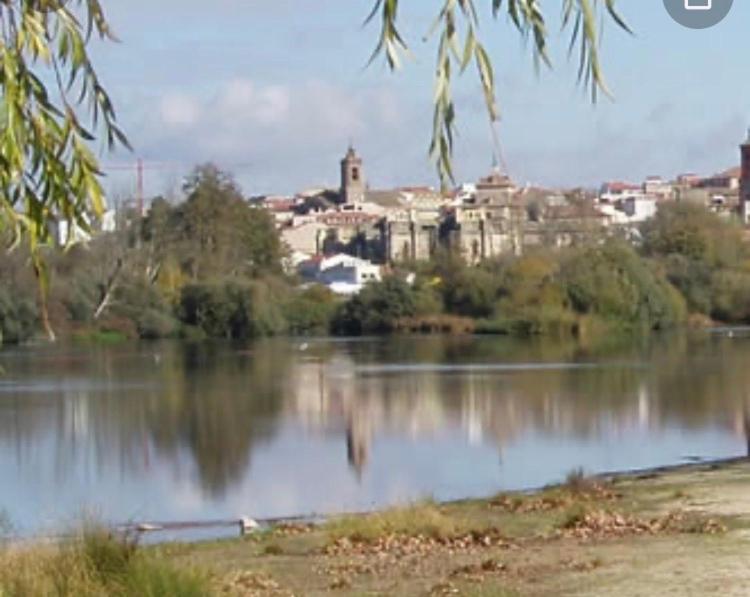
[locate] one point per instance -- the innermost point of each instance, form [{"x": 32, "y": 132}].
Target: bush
[
  {"x": 310, "y": 311},
  {"x": 614, "y": 283},
  {"x": 730, "y": 300},
  {"x": 695, "y": 233},
  {"x": 471, "y": 292},
  {"x": 18, "y": 318},
  {"x": 376, "y": 309},
  {"x": 236, "y": 309},
  {"x": 153, "y": 324},
  {"x": 694, "y": 279}
]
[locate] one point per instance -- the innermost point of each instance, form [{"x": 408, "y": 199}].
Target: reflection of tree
[
  {"x": 218, "y": 404},
  {"x": 585, "y": 391},
  {"x": 210, "y": 405}
]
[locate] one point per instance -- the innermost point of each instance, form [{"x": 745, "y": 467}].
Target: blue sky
[{"x": 275, "y": 89}]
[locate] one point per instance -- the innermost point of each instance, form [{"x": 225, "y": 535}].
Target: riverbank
[{"x": 684, "y": 530}]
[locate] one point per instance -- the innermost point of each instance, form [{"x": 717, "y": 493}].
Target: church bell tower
[{"x": 352, "y": 178}]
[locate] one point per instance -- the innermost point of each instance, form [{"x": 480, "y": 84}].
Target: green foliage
[
  {"x": 532, "y": 300},
  {"x": 309, "y": 311},
  {"x": 154, "y": 324},
  {"x": 48, "y": 169},
  {"x": 704, "y": 256},
  {"x": 215, "y": 233},
  {"x": 18, "y": 318},
  {"x": 470, "y": 292},
  {"x": 695, "y": 233},
  {"x": 376, "y": 309},
  {"x": 580, "y": 291},
  {"x": 232, "y": 309},
  {"x": 427, "y": 300},
  {"x": 693, "y": 278},
  {"x": 730, "y": 298},
  {"x": 614, "y": 283}
]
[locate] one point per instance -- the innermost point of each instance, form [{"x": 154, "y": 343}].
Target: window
[{"x": 355, "y": 174}]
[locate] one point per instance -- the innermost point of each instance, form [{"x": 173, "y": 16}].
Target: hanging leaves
[
  {"x": 458, "y": 19},
  {"x": 48, "y": 172}
]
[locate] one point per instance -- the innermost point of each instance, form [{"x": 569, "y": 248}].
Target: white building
[
  {"x": 633, "y": 209},
  {"x": 614, "y": 191},
  {"x": 342, "y": 274},
  {"x": 67, "y": 232}
]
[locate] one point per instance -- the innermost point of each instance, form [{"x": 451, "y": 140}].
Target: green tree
[
  {"x": 696, "y": 233},
  {"x": 219, "y": 233},
  {"x": 615, "y": 284},
  {"x": 49, "y": 172},
  {"x": 376, "y": 309}
]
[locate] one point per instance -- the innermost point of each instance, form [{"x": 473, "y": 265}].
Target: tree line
[{"x": 212, "y": 267}]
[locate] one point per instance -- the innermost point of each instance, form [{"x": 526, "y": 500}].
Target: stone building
[
  {"x": 489, "y": 223},
  {"x": 411, "y": 234},
  {"x": 479, "y": 221},
  {"x": 353, "y": 186}
]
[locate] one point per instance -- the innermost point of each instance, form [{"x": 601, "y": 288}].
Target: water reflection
[{"x": 198, "y": 430}]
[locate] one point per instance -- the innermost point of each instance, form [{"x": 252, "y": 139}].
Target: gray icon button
[
  {"x": 698, "y": 14},
  {"x": 698, "y": 5}
]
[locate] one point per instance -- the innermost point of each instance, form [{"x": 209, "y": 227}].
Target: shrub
[
  {"x": 695, "y": 233},
  {"x": 730, "y": 300},
  {"x": 376, "y": 309},
  {"x": 310, "y": 311},
  {"x": 234, "y": 309},
  {"x": 18, "y": 318},
  {"x": 471, "y": 292},
  {"x": 153, "y": 324},
  {"x": 612, "y": 282}
]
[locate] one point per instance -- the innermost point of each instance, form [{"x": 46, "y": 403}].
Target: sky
[{"x": 275, "y": 90}]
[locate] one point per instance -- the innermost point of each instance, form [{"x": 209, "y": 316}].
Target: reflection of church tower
[
  {"x": 357, "y": 443},
  {"x": 745, "y": 181},
  {"x": 352, "y": 178}
]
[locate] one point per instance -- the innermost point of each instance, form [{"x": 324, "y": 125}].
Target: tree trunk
[
  {"x": 43, "y": 307},
  {"x": 108, "y": 290}
]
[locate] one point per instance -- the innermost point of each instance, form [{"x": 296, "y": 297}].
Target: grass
[
  {"x": 95, "y": 563},
  {"x": 534, "y": 548},
  {"x": 425, "y": 519},
  {"x": 576, "y": 482}
]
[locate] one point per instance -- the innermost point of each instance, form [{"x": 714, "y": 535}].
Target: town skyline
[{"x": 286, "y": 113}]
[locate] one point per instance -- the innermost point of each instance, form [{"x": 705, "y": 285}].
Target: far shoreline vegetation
[{"x": 212, "y": 267}]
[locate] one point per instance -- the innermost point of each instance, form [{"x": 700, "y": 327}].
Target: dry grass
[
  {"x": 94, "y": 563},
  {"x": 419, "y": 520}
]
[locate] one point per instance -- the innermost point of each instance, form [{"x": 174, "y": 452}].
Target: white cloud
[
  {"x": 179, "y": 110},
  {"x": 292, "y": 135}
]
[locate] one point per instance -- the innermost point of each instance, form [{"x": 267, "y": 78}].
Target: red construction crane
[{"x": 139, "y": 167}]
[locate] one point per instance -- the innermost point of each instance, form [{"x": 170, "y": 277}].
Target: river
[{"x": 177, "y": 432}]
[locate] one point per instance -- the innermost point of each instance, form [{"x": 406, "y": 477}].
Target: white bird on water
[{"x": 304, "y": 346}]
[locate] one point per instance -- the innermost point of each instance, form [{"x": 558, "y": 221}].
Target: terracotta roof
[
  {"x": 735, "y": 172},
  {"x": 617, "y": 186}
]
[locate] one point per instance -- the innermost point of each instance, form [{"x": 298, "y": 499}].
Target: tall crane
[{"x": 139, "y": 167}]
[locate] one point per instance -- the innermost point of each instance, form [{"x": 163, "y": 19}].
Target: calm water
[{"x": 191, "y": 432}]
